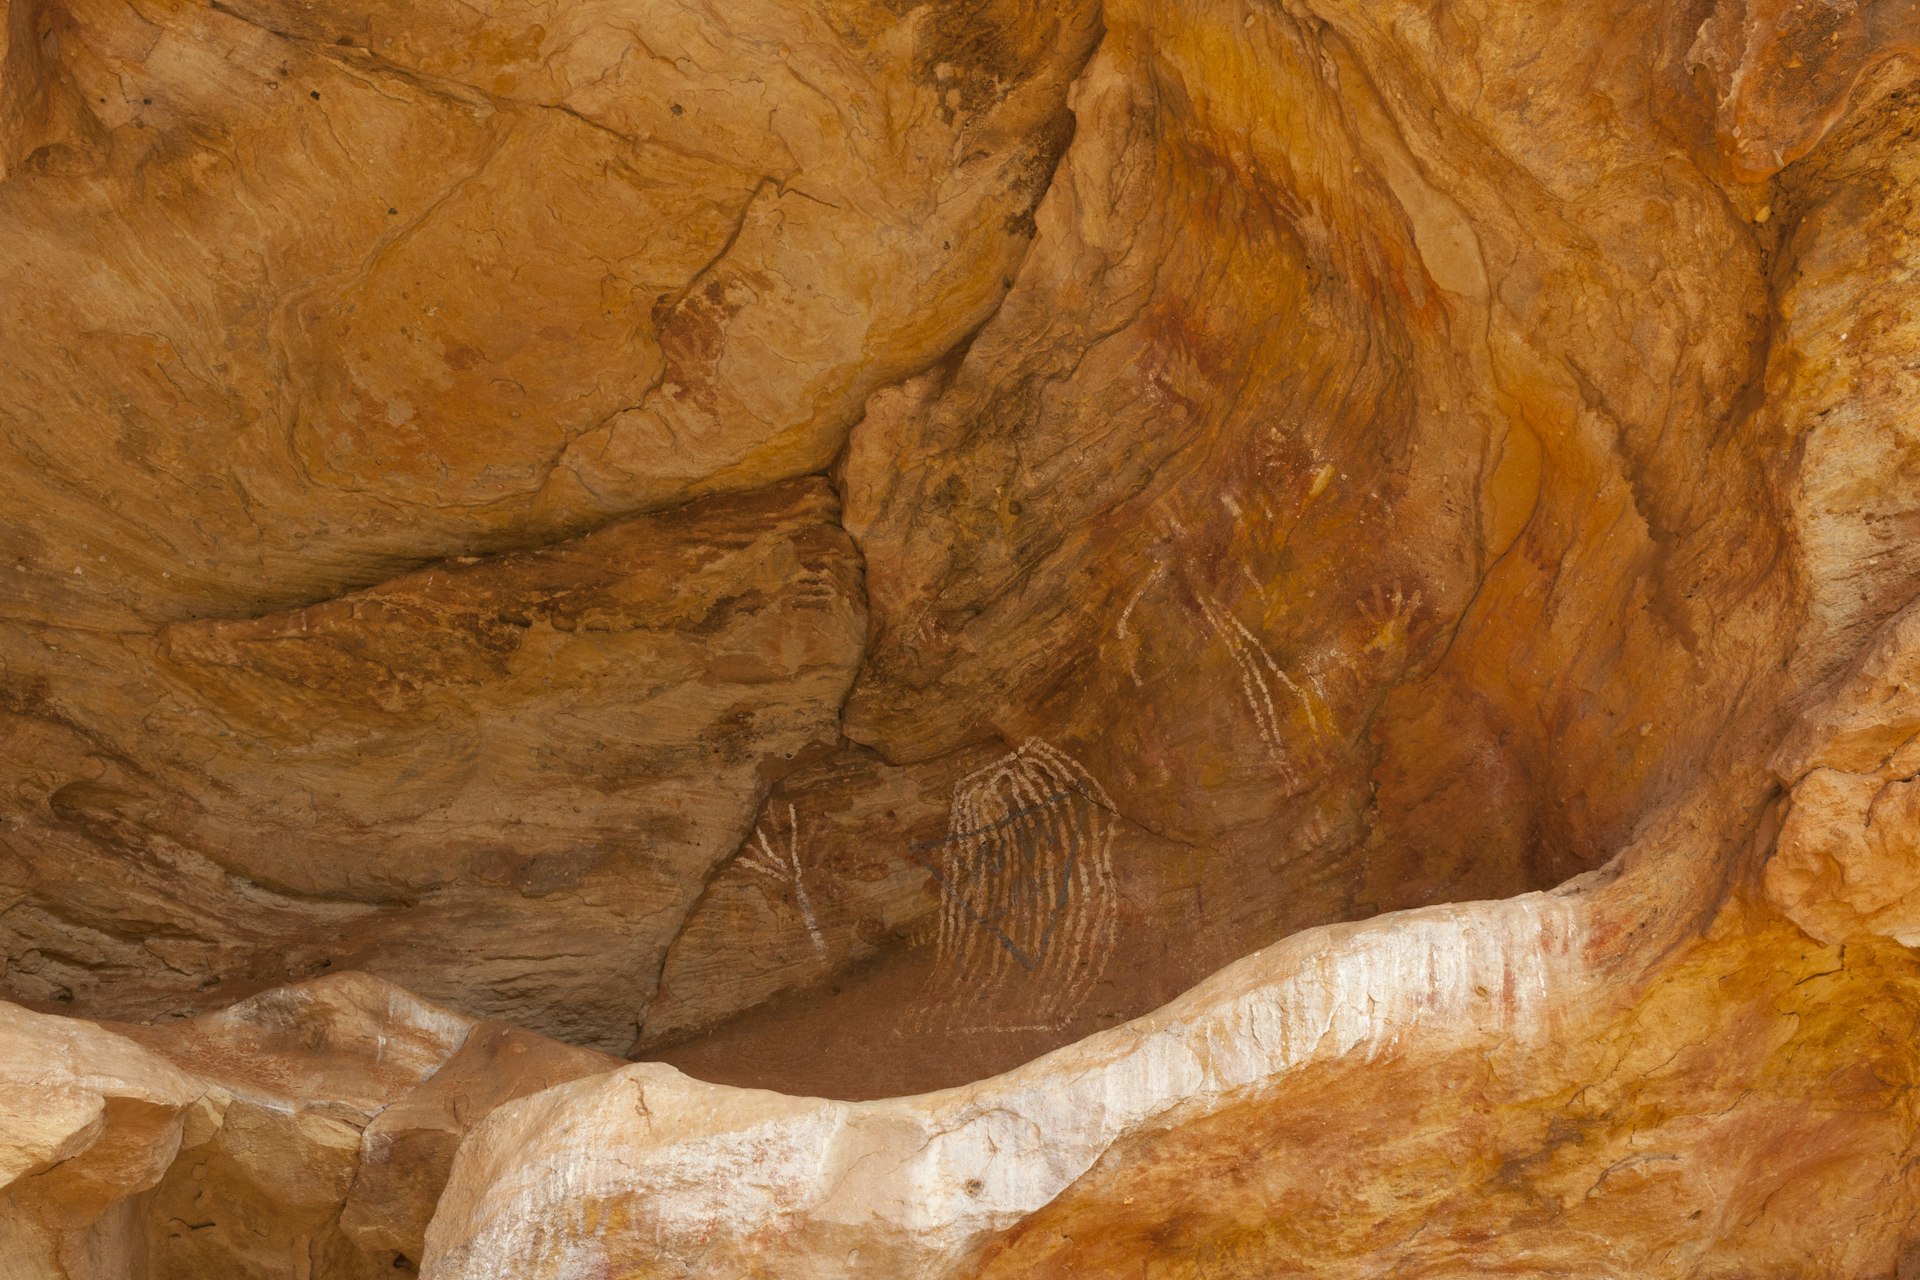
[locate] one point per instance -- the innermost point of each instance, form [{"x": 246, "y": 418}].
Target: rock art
[
  {"x": 396, "y": 757},
  {"x": 1447, "y": 1090},
  {"x": 1229, "y": 638}
]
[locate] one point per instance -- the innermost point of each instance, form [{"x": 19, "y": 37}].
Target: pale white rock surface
[
  {"x": 645, "y": 1172},
  {"x": 88, "y": 1119}
]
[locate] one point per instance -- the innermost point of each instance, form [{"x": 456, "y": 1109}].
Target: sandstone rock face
[
  {"x": 1185, "y": 413},
  {"x": 299, "y": 1073},
  {"x": 1846, "y": 865},
  {"x": 1450, "y": 1094},
  {"x": 382, "y": 299},
  {"x": 1115, "y": 638},
  {"x": 307, "y": 1131},
  {"x": 442, "y": 710},
  {"x": 87, "y": 1120}
]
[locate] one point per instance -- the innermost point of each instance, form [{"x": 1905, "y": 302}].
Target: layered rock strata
[
  {"x": 1227, "y": 639},
  {"x": 306, "y": 1131}
]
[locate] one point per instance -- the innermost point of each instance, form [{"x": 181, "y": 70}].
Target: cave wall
[{"x": 1300, "y": 609}]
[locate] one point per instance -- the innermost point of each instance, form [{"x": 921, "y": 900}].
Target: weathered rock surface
[
  {"x": 405, "y": 764},
  {"x": 1448, "y": 1093},
  {"x": 352, "y": 291},
  {"x": 88, "y": 1119},
  {"x": 1649, "y": 1072},
  {"x": 1847, "y": 865},
  {"x": 306, "y": 1132},
  {"x": 299, "y": 1073},
  {"x": 1364, "y": 496},
  {"x": 1305, "y": 610}
]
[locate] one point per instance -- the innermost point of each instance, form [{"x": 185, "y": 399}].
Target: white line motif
[
  {"x": 1121, "y": 630},
  {"x": 1258, "y": 674},
  {"x": 1029, "y": 910},
  {"x": 782, "y": 865}
]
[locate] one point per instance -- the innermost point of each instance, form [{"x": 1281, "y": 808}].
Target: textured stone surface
[
  {"x": 1366, "y": 497},
  {"x": 298, "y": 1072},
  {"x": 1622, "y": 1151},
  {"x": 87, "y": 1120},
  {"x": 407, "y": 1148},
  {"x": 354, "y": 290},
  {"x": 915, "y": 1186},
  {"x": 1448, "y": 1092},
  {"x": 501, "y": 780},
  {"x": 1228, "y": 452},
  {"x": 1226, "y": 639},
  {"x": 305, "y": 1132},
  {"x": 1846, "y": 865},
  {"x": 1650, "y": 1072},
  {"x": 1353, "y": 443}
]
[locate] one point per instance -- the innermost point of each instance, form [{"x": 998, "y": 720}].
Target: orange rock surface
[{"x": 1207, "y": 639}]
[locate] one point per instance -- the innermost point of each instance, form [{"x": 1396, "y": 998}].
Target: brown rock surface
[
  {"x": 860, "y": 547},
  {"x": 407, "y": 1148},
  {"x": 348, "y": 292},
  {"x": 502, "y": 780},
  {"x": 299, "y": 1073},
  {"x": 1847, "y": 865},
  {"x": 88, "y": 1120},
  {"x": 1454, "y": 1092},
  {"x": 305, "y": 1132}
]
